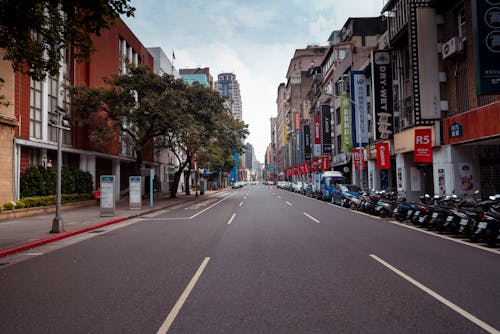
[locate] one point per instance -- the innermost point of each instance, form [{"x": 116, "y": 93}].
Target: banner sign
[
  {"x": 317, "y": 129},
  {"x": 360, "y": 106},
  {"x": 307, "y": 143},
  {"x": 326, "y": 121},
  {"x": 383, "y": 156},
  {"x": 325, "y": 162},
  {"x": 382, "y": 94},
  {"x": 423, "y": 145},
  {"x": 307, "y": 168},
  {"x": 295, "y": 170},
  {"x": 301, "y": 169},
  {"x": 356, "y": 155},
  {"x": 486, "y": 40},
  {"x": 345, "y": 123},
  {"x": 315, "y": 165},
  {"x": 297, "y": 121}
]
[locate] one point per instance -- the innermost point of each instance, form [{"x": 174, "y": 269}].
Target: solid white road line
[
  {"x": 182, "y": 299},
  {"x": 442, "y": 236},
  {"x": 231, "y": 220},
  {"x": 211, "y": 206},
  {"x": 437, "y": 296},
  {"x": 312, "y": 218},
  {"x": 288, "y": 203}
]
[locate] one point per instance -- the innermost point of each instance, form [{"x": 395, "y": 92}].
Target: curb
[
  {"x": 45, "y": 241},
  {"x": 41, "y": 242}
]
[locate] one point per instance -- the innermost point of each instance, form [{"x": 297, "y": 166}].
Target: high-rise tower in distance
[{"x": 228, "y": 86}]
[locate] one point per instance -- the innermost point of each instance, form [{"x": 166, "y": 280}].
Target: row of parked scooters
[{"x": 473, "y": 218}]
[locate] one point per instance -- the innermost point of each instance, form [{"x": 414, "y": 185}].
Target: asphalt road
[{"x": 254, "y": 260}]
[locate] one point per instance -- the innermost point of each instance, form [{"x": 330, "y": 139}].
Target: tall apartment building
[{"x": 228, "y": 86}]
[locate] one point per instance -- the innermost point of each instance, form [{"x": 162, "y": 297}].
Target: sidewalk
[{"x": 19, "y": 234}]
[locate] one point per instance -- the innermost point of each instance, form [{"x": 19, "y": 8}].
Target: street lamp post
[{"x": 57, "y": 222}]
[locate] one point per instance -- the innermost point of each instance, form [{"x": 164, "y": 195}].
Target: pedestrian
[{"x": 97, "y": 195}]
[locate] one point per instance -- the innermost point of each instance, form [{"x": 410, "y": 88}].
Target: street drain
[
  {"x": 96, "y": 231},
  {"x": 4, "y": 263}
]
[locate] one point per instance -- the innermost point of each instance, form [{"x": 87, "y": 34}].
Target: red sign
[
  {"x": 356, "y": 158},
  {"x": 315, "y": 165},
  {"x": 325, "y": 162},
  {"x": 295, "y": 170},
  {"x": 307, "y": 168},
  {"x": 423, "y": 145},
  {"x": 301, "y": 166},
  {"x": 297, "y": 121},
  {"x": 383, "y": 156},
  {"x": 317, "y": 129}
]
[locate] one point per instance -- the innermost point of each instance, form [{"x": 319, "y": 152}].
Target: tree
[
  {"x": 33, "y": 32},
  {"x": 140, "y": 106},
  {"x": 206, "y": 125}
]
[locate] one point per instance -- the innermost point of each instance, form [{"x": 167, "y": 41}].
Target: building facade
[{"x": 35, "y": 102}]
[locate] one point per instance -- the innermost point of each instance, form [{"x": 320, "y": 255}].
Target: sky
[{"x": 254, "y": 39}]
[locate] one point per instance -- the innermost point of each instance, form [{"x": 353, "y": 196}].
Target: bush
[
  {"x": 40, "y": 181},
  {"x": 20, "y": 204},
  {"x": 9, "y": 206}
]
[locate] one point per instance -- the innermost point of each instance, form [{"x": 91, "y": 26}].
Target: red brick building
[{"x": 35, "y": 141}]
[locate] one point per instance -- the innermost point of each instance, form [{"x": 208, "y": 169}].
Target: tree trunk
[
  {"x": 175, "y": 184},
  {"x": 187, "y": 178},
  {"x": 177, "y": 177}
]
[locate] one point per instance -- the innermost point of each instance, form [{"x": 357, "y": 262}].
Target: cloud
[{"x": 255, "y": 40}]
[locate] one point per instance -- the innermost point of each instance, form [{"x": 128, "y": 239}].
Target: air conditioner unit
[{"x": 453, "y": 46}]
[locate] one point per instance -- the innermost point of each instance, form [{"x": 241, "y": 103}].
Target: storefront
[
  {"x": 415, "y": 157},
  {"x": 472, "y": 143}
]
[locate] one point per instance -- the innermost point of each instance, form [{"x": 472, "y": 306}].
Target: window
[
  {"x": 462, "y": 29},
  {"x": 36, "y": 109}
]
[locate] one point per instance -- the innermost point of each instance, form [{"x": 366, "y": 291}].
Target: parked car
[
  {"x": 298, "y": 186},
  {"x": 342, "y": 193},
  {"x": 237, "y": 185}
]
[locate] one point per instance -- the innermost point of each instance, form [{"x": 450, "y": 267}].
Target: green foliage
[
  {"x": 20, "y": 204},
  {"x": 54, "y": 30},
  {"x": 9, "y": 206},
  {"x": 40, "y": 181}
]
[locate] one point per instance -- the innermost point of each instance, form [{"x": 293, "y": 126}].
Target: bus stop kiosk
[
  {"x": 135, "y": 193},
  {"x": 108, "y": 202}
]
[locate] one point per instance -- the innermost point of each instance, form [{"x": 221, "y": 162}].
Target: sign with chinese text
[
  {"x": 382, "y": 94},
  {"x": 423, "y": 145},
  {"x": 360, "y": 106},
  {"x": 346, "y": 123},
  {"x": 326, "y": 121}
]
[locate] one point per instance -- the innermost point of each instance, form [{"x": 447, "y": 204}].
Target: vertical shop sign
[
  {"x": 307, "y": 143},
  {"x": 360, "y": 106},
  {"x": 486, "y": 40},
  {"x": 297, "y": 121},
  {"x": 307, "y": 168},
  {"x": 346, "y": 122},
  {"x": 423, "y": 145},
  {"x": 383, "y": 155},
  {"x": 317, "y": 135},
  {"x": 326, "y": 122},
  {"x": 325, "y": 162},
  {"x": 382, "y": 94},
  {"x": 356, "y": 153}
]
